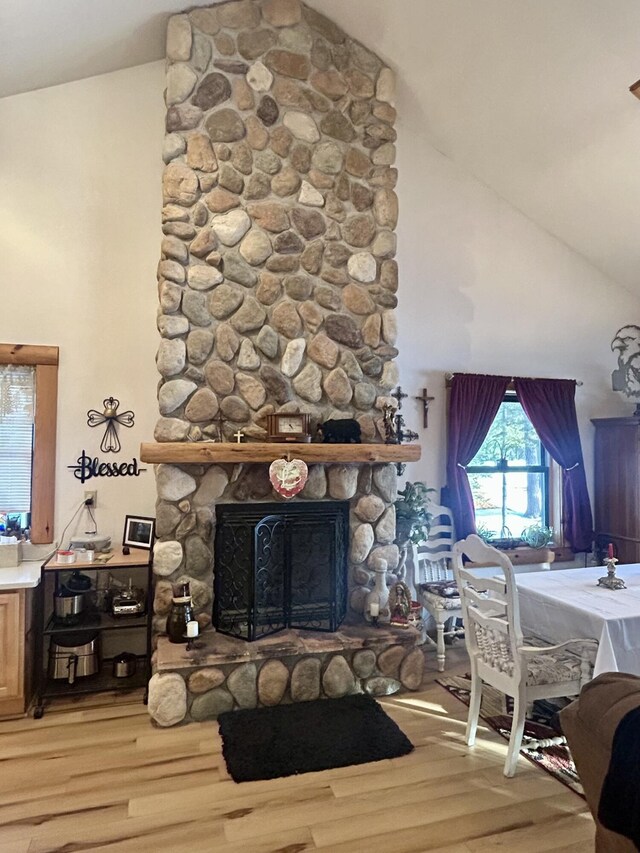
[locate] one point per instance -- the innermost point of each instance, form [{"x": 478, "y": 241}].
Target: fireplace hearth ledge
[
  {"x": 215, "y": 649},
  {"x": 224, "y": 673}
]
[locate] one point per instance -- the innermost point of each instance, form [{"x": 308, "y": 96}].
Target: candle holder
[
  {"x": 192, "y": 643},
  {"x": 610, "y": 581},
  {"x": 191, "y": 635}
]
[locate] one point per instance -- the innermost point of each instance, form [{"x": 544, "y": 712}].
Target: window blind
[{"x": 17, "y": 405}]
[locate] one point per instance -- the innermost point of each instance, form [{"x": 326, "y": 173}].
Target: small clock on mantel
[{"x": 291, "y": 427}]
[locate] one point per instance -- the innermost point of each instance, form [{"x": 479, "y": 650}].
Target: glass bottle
[{"x": 181, "y": 612}]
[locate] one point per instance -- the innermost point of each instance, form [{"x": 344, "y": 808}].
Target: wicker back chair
[{"x": 498, "y": 653}]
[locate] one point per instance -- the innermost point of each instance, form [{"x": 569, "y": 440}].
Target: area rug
[
  {"x": 265, "y": 743},
  {"x": 496, "y": 710}
]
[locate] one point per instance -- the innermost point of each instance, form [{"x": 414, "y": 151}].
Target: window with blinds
[{"x": 17, "y": 406}]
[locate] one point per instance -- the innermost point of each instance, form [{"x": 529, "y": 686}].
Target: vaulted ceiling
[{"x": 529, "y": 96}]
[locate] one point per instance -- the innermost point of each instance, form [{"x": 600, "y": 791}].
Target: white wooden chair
[
  {"x": 497, "y": 651},
  {"x": 433, "y": 579}
]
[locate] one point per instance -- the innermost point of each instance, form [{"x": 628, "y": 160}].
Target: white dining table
[{"x": 567, "y": 604}]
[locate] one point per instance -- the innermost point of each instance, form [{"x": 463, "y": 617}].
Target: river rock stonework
[
  {"x": 225, "y": 675},
  {"x": 276, "y": 280}
]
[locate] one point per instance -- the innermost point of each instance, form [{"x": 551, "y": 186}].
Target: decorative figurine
[
  {"x": 395, "y": 431},
  {"x": 626, "y": 377},
  {"x": 400, "y": 605},
  {"x": 217, "y": 423},
  {"x": 390, "y": 436},
  {"x": 610, "y": 581},
  {"x": 340, "y": 431},
  {"x": 376, "y": 605}
]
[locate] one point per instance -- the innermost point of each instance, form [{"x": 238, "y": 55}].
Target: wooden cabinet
[
  {"x": 617, "y": 486},
  {"x": 15, "y": 657}
]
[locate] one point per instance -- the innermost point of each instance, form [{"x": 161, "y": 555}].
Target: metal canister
[{"x": 124, "y": 665}]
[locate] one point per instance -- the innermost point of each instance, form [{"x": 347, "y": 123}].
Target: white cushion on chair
[
  {"x": 553, "y": 668},
  {"x": 439, "y": 602}
]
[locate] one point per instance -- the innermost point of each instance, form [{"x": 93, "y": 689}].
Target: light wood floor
[{"x": 101, "y": 778}]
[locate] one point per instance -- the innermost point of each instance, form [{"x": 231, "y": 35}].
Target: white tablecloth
[{"x": 569, "y": 604}]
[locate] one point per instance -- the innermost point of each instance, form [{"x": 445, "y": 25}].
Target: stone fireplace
[{"x": 277, "y": 287}]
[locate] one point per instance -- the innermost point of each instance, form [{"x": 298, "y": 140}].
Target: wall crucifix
[{"x": 425, "y": 399}]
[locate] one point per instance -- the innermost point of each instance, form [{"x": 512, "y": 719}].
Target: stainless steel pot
[
  {"x": 68, "y": 606},
  {"x": 124, "y": 665},
  {"x": 73, "y": 655}
]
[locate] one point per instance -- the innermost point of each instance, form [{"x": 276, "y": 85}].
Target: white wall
[
  {"x": 481, "y": 288},
  {"x": 80, "y": 202},
  {"x": 484, "y": 290}
]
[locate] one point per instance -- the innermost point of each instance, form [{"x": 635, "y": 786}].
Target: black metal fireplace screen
[{"x": 280, "y": 566}]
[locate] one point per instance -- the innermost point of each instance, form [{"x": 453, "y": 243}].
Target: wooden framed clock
[{"x": 290, "y": 427}]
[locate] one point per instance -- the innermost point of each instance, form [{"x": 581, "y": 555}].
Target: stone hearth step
[{"x": 225, "y": 673}]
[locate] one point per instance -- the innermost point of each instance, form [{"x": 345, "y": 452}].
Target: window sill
[
  {"x": 525, "y": 556},
  {"x": 563, "y": 553}
]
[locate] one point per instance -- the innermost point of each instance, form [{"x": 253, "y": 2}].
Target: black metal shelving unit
[{"x": 90, "y": 622}]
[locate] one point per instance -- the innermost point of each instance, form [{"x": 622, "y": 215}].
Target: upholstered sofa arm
[{"x": 589, "y": 725}]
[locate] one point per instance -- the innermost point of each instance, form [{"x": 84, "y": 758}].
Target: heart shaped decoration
[{"x": 288, "y": 476}]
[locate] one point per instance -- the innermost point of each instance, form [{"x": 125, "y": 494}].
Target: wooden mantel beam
[{"x": 211, "y": 452}]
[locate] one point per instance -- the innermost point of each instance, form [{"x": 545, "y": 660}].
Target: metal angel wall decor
[
  {"x": 626, "y": 377},
  {"x": 110, "y": 442}
]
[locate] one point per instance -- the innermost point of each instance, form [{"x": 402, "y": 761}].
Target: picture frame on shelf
[{"x": 139, "y": 532}]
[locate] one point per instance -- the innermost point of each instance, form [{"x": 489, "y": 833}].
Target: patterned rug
[{"x": 496, "y": 709}]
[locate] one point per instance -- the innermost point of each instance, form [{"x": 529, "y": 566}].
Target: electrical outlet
[{"x": 92, "y": 496}]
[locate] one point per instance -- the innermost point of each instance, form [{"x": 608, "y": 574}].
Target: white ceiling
[{"x": 530, "y": 96}]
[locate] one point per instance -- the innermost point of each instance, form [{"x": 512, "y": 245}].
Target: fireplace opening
[{"x": 280, "y": 566}]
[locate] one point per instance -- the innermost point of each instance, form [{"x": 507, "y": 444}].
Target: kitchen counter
[{"x": 24, "y": 576}]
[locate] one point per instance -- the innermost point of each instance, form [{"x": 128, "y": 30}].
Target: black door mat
[{"x": 265, "y": 743}]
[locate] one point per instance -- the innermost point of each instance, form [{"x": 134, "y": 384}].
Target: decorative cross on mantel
[
  {"x": 238, "y": 436},
  {"x": 425, "y": 406},
  {"x": 399, "y": 395}
]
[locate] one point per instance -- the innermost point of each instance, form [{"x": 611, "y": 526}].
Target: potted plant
[
  {"x": 537, "y": 536},
  {"x": 413, "y": 519}
]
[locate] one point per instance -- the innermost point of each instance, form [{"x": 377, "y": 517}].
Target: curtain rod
[{"x": 510, "y": 387}]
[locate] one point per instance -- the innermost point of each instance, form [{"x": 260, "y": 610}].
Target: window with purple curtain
[{"x": 550, "y": 406}]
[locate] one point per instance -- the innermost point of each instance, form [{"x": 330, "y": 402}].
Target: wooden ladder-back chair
[
  {"x": 433, "y": 579},
  {"x": 497, "y": 650}
]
